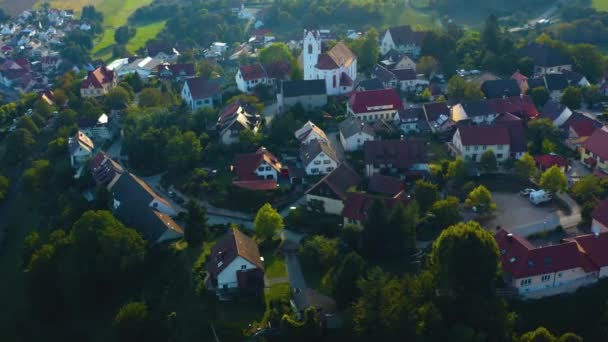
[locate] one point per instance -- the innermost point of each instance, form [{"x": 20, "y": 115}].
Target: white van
[{"x": 540, "y": 196}]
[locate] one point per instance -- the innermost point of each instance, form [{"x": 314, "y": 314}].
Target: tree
[
  {"x": 342, "y": 279},
  {"x": 592, "y": 94},
  {"x": 123, "y": 34},
  {"x": 267, "y": 222},
  {"x": 427, "y": 65},
  {"x": 401, "y": 230},
  {"x": 541, "y": 334},
  {"x": 208, "y": 69},
  {"x": 456, "y": 87},
  {"x": 320, "y": 252},
  {"x": 457, "y": 171},
  {"x": 472, "y": 92},
  {"x": 539, "y": 96},
  {"x": 465, "y": 260},
  {"x": 525, "y": 167},
  {"x": 37, "y": 178},
  {"x": 426, "y": 194},
  {"x": 132, "y": 322},
  {"x": 554, "y": 180},
  {"x": 570, "y": 337},
  {"x": 445, "y": 213},
  {"x": 196, "y": 224},
  {"x": 376, "y": 221},
  {"x": 276, "y": 52},
  {"x": 488, "y": 161},
  {"x": 184, "y": 151},
  {"x": 572, "y": 97},
  {"x": 26, "y": 122},
  {"x": 525, "y": 65},
  {"x": 480, "y": 199},
  {"x": 588, "y": 60},
  {"x": 490, "y": 35},
  {"x": 368, "y": 56},
  {"x": 588, "y": 188},
  {"x": 540, "y": 130},
  {"x": 117, "y": 97},
  {"x": 150, "y": 97},
  {"x": 249, "y": 99},
  {"x": 4, "y": 185}
]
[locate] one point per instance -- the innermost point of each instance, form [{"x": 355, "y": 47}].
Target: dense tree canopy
[
  {"x": 481, "y": 200},
  {"x": 554, "y": 180},
  {"x": 267, "y": 222}
]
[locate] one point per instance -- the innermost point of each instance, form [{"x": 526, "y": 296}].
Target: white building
[
  {"x": 373, "y": 105},
  {"x": 250, "y": 76},
  {"x": 80, "y": 148},
  {"x": 310, "y": 132},
  {"x": 470, "y": 143},
  {"x": 318, "y": 158},
  {"x": 338, "y": 66},
  {"x": 354, "y": 133},
  {"x": 199, "y": 93},
  {"x": 331, "y": 191},
  {"x": 402, "y": 39}
]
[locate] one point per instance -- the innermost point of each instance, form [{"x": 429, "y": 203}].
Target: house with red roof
[
  {"x": 176, "y": 72},
  {"x": 579, "y": 128},
  {"x": 555, "y": 269},
  {"x": 600, "y": 217},
  {"x": 235, "y": 264},
  {"x": 236, "y": 118},
  {"x": 357, "y": 204},
  {"x": 331, "y": 191},
  {"x": 546, "y": 161},
  {"x": 594, "y": 151},
  {"x": 200, "y": 92},
  {"x": 251, "y": 76},
  {"x": 257, "y": 171},
  {"x": 98, "y": 82},
  {"x": 373, "y": 105}
]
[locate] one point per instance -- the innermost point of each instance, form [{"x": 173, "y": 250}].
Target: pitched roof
[
  {"x": 156, "y": 47},
  {"x": 229, "y": 247},
  {"x": 339, "y": 55},
  {"x": 520, "y": 259},
  {"x": 598, "y": 143},
  {"x": 556, "y": 81},
  {"x": 98, "y": 77},
  {"x": 352, "y": 125},
  {"x": 484, "y": 135},
  {"x": 357, "y": 204},
  {"x": 583, "y": 128},
  {"x": 404, "y": 35},
  {"x": 308, "y": 128},
  {"x": 552, "y": 110},
  {"x": 411, "y": 113},
  {"x": 186, "y": 69},
  {"x": 405, "y": 74},
  {"x": 549, "y": 160},
  {"x": 544, "y": 55},
  {"x": 277, "y": 70},
  {"x": 311, "y": 150},
  {"x": 104, "y": 169},
  {"x": 375, "y": 100},
  {"x": 400, "y": 153},
  {"x": 303, "y": 88},
  {"x": 340, "y": 180},
  {"x": 370, "y": 84},
  {"x": 434, "y": 110},
  {"x": 80, "y": 140},
  {"x": 238, "y": 113},
  {"x": 383, "y": 74},
  {"x": 345, "y": 80},
  {"x": 202, "y": 88},
  {"x": 385, "y": 185},
  {"x": 246, "y": 164},
  {"x": 135, "y": 197},
  {"x": 253, "y": 72},
  {"x": 600, "y": 213},
  {"x": 500, "y": 88},
  {"x": 594, "y": 246}
]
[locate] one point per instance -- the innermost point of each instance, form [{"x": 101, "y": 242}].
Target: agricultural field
[{"x": 601, "y": 5}]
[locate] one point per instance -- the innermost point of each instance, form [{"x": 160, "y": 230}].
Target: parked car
[
  {"x": 171, "y": 194},
  {"x": 526, "y": 192},
  {"x": 540, "y": 196}
]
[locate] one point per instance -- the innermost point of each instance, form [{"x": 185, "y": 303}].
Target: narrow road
[{"x": 294, "y": 270}]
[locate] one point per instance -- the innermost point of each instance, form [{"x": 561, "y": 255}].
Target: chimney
[{"x": 510, "y": 236}]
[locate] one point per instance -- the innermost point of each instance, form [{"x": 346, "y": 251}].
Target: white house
[
  {"x": 199, "y": 92},
  {"x": 259, "y": 165},
  {"x": 402, "y": 39},
  {"x": 409, "y": 81},
  {"x": 235, "y": 264},
  {"x": 310, "y": 132},
  {"x": 408, "y": 120},
  {"x": 318, "y": 158},
  {"x": 331, "y": 191},
  {"x": 373, "y": 105},
  {"x": 234, "y": 119},
  {"x": 556, "y": 112},
  {"x": 338, "y": 66},
  {"x": 479, "y": 112},
  {"x": 251, "y": 76},
  {"x": 80, "y": 148},
  {"x": 98, "y": 130},
  {"x": 354, "y": 133},
  {"x": 471, "y": 142}
]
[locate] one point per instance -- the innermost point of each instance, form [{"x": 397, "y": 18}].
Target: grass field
[{"x": 601, "y": 5}]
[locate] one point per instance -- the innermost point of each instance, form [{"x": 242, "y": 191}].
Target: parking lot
[{"x": 521, "y": 217}]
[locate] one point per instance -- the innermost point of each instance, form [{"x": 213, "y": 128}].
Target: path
[
  {"x": 294, "y": 270},
  {"x": 544, "y": 16}
]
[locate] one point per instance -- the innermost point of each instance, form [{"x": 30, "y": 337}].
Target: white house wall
[{"x": 227, "y": 278}]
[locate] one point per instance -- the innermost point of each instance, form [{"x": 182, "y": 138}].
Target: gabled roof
[
  {"x": 552, "y": 110},
  {"x": 229, "y": 247},
  {"x": 434, "y": 110},
  {"x": 404, "y": 35},
  {"x": 383, "y": 74},
  {"x": 308, "y": 128},
  {"x": 357, "y": 204},
  {"x": 253, "y": 72},
  {"x": 104, "y": 168},
  {"x": 544, "y": 55},
  {"x": 405, "y": 74},
  {"x": 345, "y": 80},
  {"x": 303, "y": 88},
  {"x": 386, "y": 185},
  {"x": 411, "y": 113},
  {"x": 500, "y": 88},
  {"x": 339, "y": 55},
  {"x": 573, "y": 77},
  {"x": 277, "y": 70},
  {"x": 370, "y": 84},
  {"x": 246, "y": 164},
  {"x": 240, "y": 113},
  {"x": 340, "y": 180},
  {"x": 352, "y": 125},
  {"x": 185, "y": 69},
  {"x": 311, "y": 150},
  {"x": 80, "y": 140},
  {"x": 156, "y": 47},
  {"x": 401, "y": 154},
  {"x": 583, "y": 128},
  {"x": 556, "y": 81},
  {"x": 98, "y": 77},
  {"x": 484, "y": 135},
  {"x": 549, "y": 160},
  {"x": 135, "y": 197},
  {"x": 598, "y": 143},
  {"x": 375, "y": 100},
  {"x": 202, "y": 88}
]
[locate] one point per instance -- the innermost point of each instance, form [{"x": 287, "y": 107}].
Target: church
[{"x": 338, "y": 66}]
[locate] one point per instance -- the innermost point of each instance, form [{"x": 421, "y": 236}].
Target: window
[
  {"x": 468, "y": 148},
  {"x": 326, "y": 161},
  {"x": 499, "y": 155},
  {"x": 476, "y": 148},
  {"x": 317, "y": 162},
  {"x": 500, "y": 147},
  {"x": 309, "y": 48},
  {"x": 267, "y": 168},
  {"x": 334, "y": 81},
  {"x": 243, "y": 267},
  {"x": 525, "y": 282},
  {"x": 314, "y": 170},
  {"x": 545, "y": 278},
  {"x": 559, "y": 275},
  {"x": 261, "y": 168},
  {"x": 329, "y": 169}
]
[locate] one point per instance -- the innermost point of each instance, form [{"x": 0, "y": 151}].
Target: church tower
[{"x": 310, "y": 53}]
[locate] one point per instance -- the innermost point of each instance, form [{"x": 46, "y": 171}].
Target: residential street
[{"x": 294, "y": 270}]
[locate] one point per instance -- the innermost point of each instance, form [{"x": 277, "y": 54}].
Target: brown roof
[
  {"x": 434, "y": 110},
  {"x": 399, "y": 153},
  {"x": 246, "y": 164},
  {"x": 385, "y": 184},
  {"x": 98, "y": 77},
  {"x": 484, "y": 135},
  {"x": 339, "y": 55},
  {"x": 202, "y": 88},
  {"x": 230, "y": 246},
  {"x": 253, "y": 72},
  {"x": 339, "y": 180},
  {"x": 598, "y": 143}
]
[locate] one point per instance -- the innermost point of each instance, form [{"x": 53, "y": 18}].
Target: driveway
[
  {"x": 296, "y": 277},
  {"x": 337, "y": 145}
]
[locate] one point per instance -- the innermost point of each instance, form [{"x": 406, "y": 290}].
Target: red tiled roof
[
  {"x": 519, "y": 105},
  {"x": 548, "y": 160},
  {"x": 357, "y": 204},
  {"x": 325, "y": 62},
  {"x": 583, "y": 128},
  {"x": 278, "y": 70},
  {"x": 375, "y": 100},
  {"x": 595, "y": 246},
  {"x": 98, "y": 77},
  {"x": 484, "y": 135},
  {"x": 246, "y": 164},
  {"x": 520, "y": 259},
  {"x": 519, "y": 77},
  {"x": 260, "y": 32},
  {"x": 600, "y": 214},
  {"x": 202, "y": 88},
  {"x": 598, "y": 143},
  {"x": 233, "y": 244},
  {"x": 253, "y": 72}
]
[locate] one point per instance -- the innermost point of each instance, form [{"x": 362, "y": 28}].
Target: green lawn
[
  {"x": 601, "y": 5},
  {"x": 274, "y": 265},
  {"x": 145, "y": 33},
  {"x": 438, "y": 151}
]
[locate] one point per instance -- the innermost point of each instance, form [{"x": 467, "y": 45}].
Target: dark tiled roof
[
  {"x": 303, "y": 87},
  {"x": 370, "y": 84},
  {"x": 400, "y": 153},
  {"x": 277, "y": 70},
  {"x": 185, "y": 69},
  {"x": 252, "y": 72},
  {"x": 104, "y": 169},
  {"x": 340, "y": 180},
  {"x": 368, "y": 101},
  {"x": 202, "y": 88},
  {"x": 383, "y": 74},
  {"x": 404, "y": 35},
  {"x": 484, "y": 135},
  {"x": 556, "y": 81},
  {"x": 552, "y": 110},
  {"x": 411, "y": 113},
  {"x": 544, "y": 55},
  {"x": 434, "y": 110},
  {"x": 405, "y": 74},
  {"x": 385, "y": 185},
  {"x": 345, "y": 80},
  {"x": 499, "y": 88},
  {"x": 309, "y": 151},
  {"x": 357, "y": 204},
  {"x": 598, "y": 143},
  {"x": 156, "y": 47},
  {"x": 352, "y": 125},
  {"x": 229, "y": 247}
]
